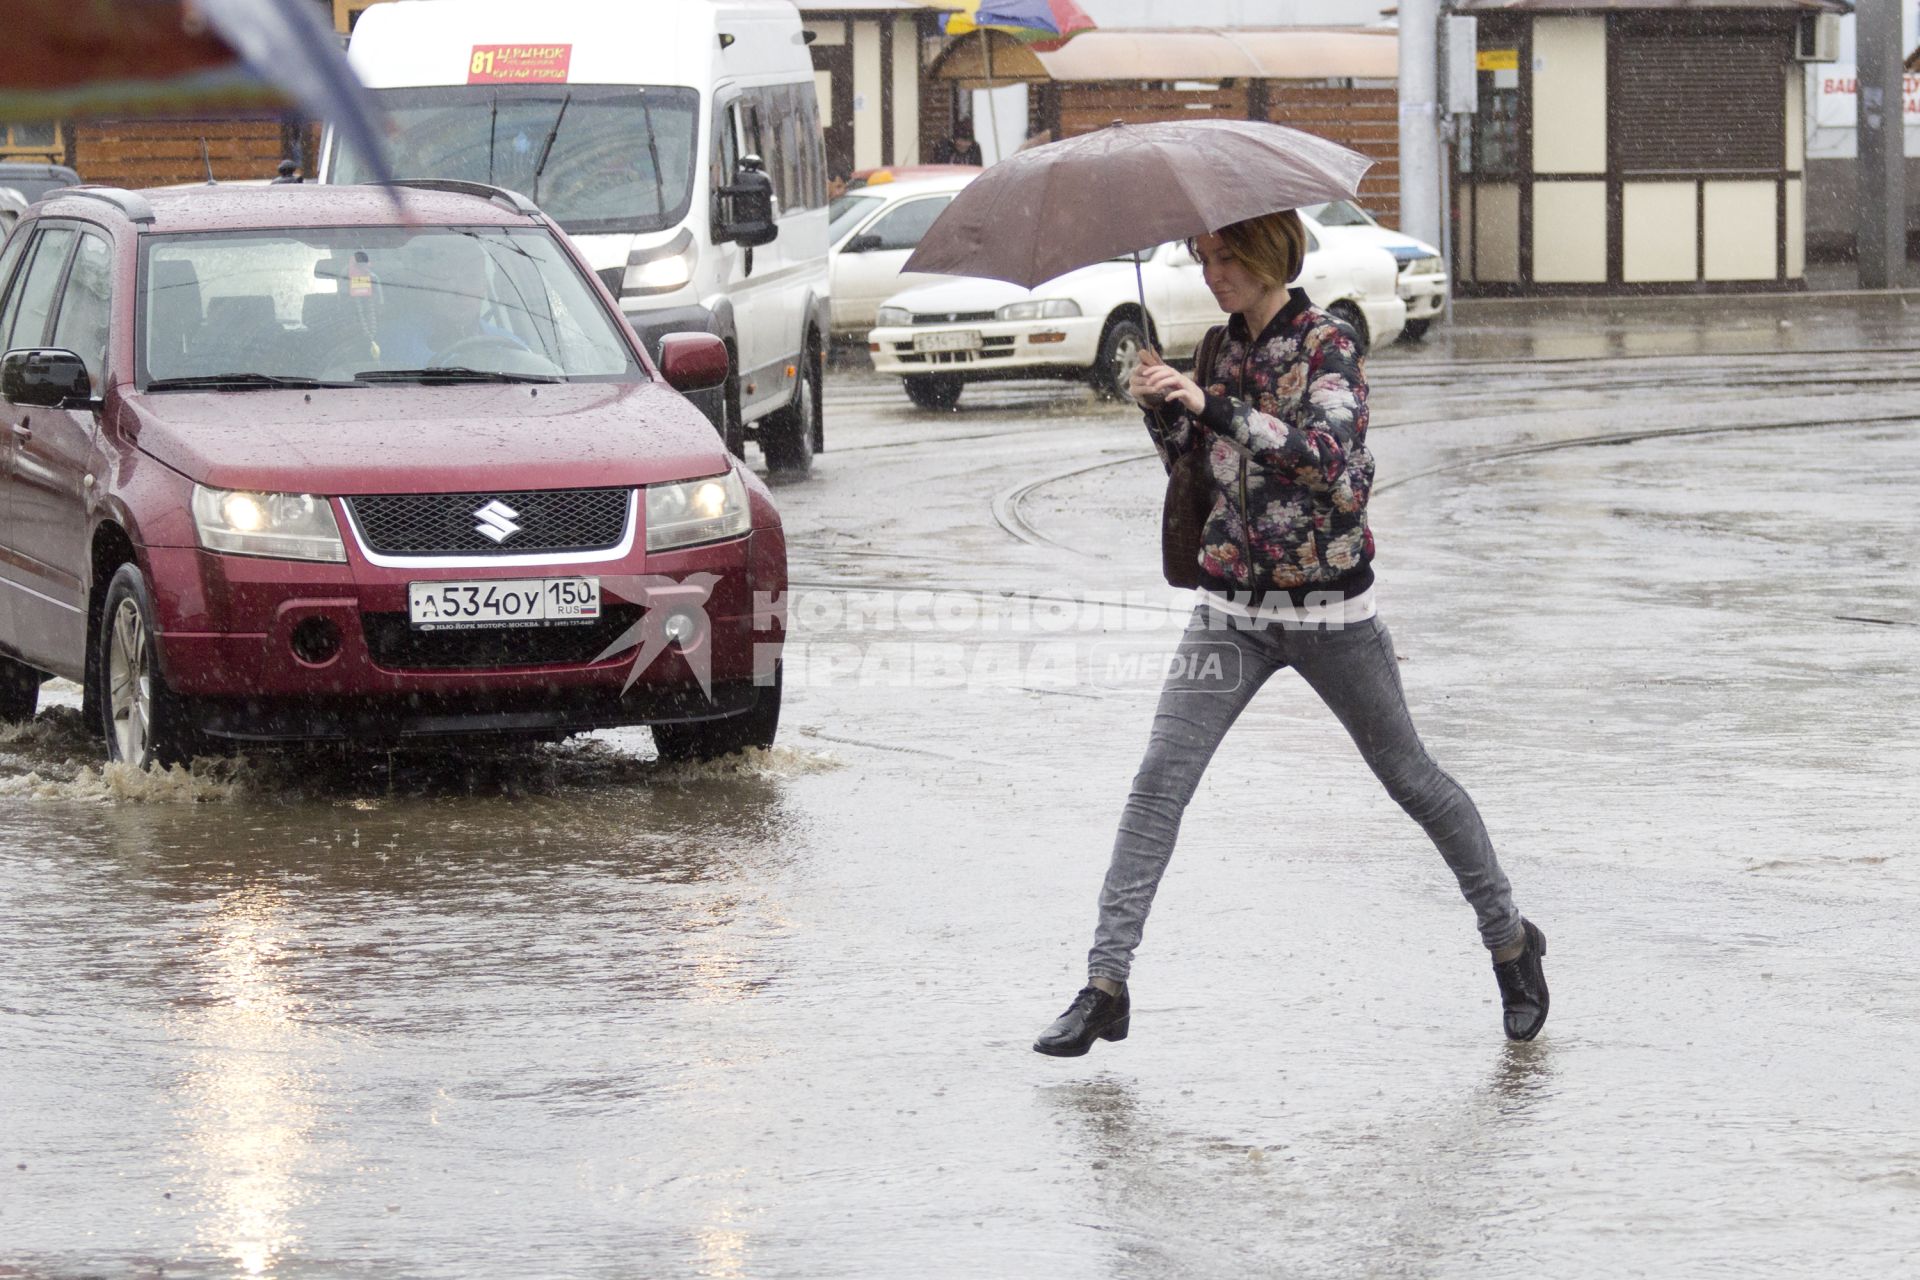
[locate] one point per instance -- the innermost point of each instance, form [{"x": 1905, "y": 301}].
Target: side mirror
[
  {"x": 745, "y": 213},
  {"x": 46, "y": 377},
  {"x": 865, "y": 242},
  {"x": 693, "y": 361}
]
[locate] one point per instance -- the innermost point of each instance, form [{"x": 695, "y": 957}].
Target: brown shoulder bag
[{"x": 1190, "y": 490}]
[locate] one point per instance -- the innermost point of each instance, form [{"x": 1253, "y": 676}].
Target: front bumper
[
  {"x": 1425, "y": 295},
  {"x": 1386, "y": 319},
  {"x": 1007, "y": 348},
  {"x": 232, "y": 642}
]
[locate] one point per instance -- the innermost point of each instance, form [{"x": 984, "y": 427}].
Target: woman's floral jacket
[{"x": 1285, "y": 429}]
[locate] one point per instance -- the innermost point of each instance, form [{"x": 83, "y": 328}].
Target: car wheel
[
  {"x": 19, "y": 691},
  {"x": 1356, "y": 321},
  {"x": 940, "y": 391},
  {"x": 710, "y": 739},
  {"x": 1120, "y": 349},
  {"x": 787, "y": 437},
  {"x": 1416, "y": 330},
  {"x": 145, "y": 721}
]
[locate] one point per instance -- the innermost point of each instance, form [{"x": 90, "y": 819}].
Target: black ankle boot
[
  {"x": 1093, "y": 1015},
  {"x": 1523, "y": 986}
]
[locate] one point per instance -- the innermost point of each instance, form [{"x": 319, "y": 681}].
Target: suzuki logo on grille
[{"x": 496, "y": 521}]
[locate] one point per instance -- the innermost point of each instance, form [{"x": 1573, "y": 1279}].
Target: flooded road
[{"x": 568, "y": 1012}]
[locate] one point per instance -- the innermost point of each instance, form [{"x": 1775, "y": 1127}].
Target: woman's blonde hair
[{"x": 1273, "y": 245}]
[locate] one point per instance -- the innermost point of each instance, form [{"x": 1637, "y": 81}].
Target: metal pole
[
  {"x": 1419, "y": 120},
  {"x": 1880, "y": 236},
  {"x": 993, "y": 112}
]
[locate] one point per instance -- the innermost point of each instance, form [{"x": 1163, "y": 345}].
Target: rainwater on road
[{"x": 1651, "y": 575}]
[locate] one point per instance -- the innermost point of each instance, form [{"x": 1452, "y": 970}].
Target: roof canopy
[{"x": 1178, "y": 53}]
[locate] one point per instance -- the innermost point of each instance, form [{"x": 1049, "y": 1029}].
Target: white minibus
[{"x": 650, "y": 131}]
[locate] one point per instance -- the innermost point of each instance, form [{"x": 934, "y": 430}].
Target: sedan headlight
[
  {"x": 662, "y": 269},
  {"x": 1038, "y": 309},
  {"x": 892, "y": 317},
  {"x": 695, "y": 511},
  {"x": 286, "y": 526},
  {"x": 1422, "y": 267}
]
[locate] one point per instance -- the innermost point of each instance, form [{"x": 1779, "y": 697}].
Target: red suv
[{"x": 367, "y": 463}]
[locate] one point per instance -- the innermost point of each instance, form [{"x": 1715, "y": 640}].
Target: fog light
[
  {"x": 680, "y": 628},
  {"x": 315, "y": 641}
]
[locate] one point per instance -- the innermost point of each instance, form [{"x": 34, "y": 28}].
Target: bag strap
[{"x": 1208, "y": 353}]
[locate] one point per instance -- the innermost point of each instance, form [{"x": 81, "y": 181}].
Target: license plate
[
  {"x": 958, "y": 340},
  {"x": 502, "y": 602}
]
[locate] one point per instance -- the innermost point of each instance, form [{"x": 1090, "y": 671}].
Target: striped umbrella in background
[{"x": 1046, "y": 24}]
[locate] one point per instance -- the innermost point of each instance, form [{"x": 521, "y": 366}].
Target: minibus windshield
[{"x": 597, "y": 158}]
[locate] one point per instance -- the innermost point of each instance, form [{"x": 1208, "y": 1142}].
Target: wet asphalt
[{"x": 1651, "y": 574}]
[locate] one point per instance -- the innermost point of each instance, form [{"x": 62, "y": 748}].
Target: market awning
[{"x": 1183, "y": 53}]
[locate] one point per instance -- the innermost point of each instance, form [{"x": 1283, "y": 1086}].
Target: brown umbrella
[{"x": 1043, "y": 212}]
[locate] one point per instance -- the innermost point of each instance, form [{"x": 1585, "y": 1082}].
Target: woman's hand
[{"x": 1155, "y": 382}]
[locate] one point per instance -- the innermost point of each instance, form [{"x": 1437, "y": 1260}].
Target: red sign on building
[{"x": 519, "y": 64}]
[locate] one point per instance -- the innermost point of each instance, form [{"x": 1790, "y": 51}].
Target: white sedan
[
  {"x": 1086, "y": 325},
  {"x": 871, "y": 231},
  {"x": 1423, "y": 272}
]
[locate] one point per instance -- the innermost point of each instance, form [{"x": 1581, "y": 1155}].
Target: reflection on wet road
[{"x": 567, "y": 1012}]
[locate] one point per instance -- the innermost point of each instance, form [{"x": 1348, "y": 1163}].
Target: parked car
[
  {"x": 33, "y": 180},
  {"x": 872, "y": 231},
  {"x": 1086, "y": 325},
  {"x": 1423, "y": 272},
  {"x": 12, "y": 206},
  {"x": 679, "y": 145},
  {"x": 309, "y": 462}
]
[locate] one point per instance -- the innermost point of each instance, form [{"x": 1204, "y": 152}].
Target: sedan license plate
[
  {"x": 955, "y": 340},
  {"x": 502, "y": 602}
]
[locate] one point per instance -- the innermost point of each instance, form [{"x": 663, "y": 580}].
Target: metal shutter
[{"x": 1693, "y": 101}]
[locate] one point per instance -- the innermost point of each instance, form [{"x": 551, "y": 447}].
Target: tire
[
  {"x": 787, "y": 436},
  {"x": 1362, "y": 340},
  {"x": 935, "y": 391},
  {"x": 1416, "y": 330},
  {"x": 698, "y": 740},
  {"x": 19, "y": 691},
  {"x": 146, "y": 723},
  {"x": 1120, "y": 349}
]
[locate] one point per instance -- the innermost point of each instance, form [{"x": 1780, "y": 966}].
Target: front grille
[
  {"x": 448, "y": 524},
  {"x": 395, "y": 645},
  {"x": 951, "y": 317}
]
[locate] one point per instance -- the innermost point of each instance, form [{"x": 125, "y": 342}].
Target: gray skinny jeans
[{"x": 1353, "y": 669}]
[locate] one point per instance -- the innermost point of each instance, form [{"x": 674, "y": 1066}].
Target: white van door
[{"x": 762, "y": 314}]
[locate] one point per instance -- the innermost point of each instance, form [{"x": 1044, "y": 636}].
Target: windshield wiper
[
  {"x": 547, "y": 150},
  {"x": 242, "y": 382},
  {"x": 451, "y": 373}
]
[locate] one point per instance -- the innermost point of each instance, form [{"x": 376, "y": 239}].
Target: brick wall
[
  {"x": 1364, "y": 118},
  {"x": 158, "y": 153}
]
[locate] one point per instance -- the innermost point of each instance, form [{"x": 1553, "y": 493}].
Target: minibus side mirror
[
  {"x": 45, "y": 377},
  {"x": 746, "y": 207}
]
